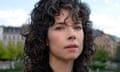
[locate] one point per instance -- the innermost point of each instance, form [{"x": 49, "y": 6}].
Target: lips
[{"x": 71, "y": 46}]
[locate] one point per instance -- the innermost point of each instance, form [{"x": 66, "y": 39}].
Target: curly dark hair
[{"x": 42, "y": 17}]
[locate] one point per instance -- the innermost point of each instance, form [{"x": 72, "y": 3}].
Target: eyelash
[
  {"x": 59, "y": 28},
  {"x": 78, "y": 27}
]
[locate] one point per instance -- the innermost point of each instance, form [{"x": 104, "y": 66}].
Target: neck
[{"x": 59, "y": 65}]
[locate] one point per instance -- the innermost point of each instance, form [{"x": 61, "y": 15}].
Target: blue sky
[
  {"x": 26, "y": 5},
  {"x": 105, "y": 14}
]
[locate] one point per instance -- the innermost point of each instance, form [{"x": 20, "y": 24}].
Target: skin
[{"x": 63, "y": 34}]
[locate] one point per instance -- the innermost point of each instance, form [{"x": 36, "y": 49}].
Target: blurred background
[{"x": 105, "y": 15}]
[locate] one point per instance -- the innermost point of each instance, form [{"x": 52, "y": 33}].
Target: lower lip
[{"x": 71, "y": 49}]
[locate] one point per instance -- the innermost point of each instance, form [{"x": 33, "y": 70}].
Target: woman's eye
[
  {"x": 78, "y": 27},
  {"x": 59, "y": 28}
]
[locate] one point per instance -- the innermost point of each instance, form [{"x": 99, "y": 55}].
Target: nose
[
  {"x": 71, "y": 37},
  {"x": 71, "y": 34}
]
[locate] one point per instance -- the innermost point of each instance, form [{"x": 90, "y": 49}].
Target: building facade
[
  {"x": 1, "y": 32},
  {"x": 10, "y": 34}
]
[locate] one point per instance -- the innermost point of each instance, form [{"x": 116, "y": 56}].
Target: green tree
[
  {"x": 3, "y": 51},
  {"x": 12, "y": 50},
  {"x": 99, "y": 59},
  {"x": 19, "y": 47},
  {"x": 100, "y": 55},
  {"x": 117, "y": 58}
]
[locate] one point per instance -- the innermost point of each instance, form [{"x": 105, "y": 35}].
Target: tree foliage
[
  {"x": 101, "y": 55},
  {"x": 3, "y": 51},
  {"x": 11, "y": 50},
  {"x": 19, "y": 47},
  {"x": 117, "y": 58}
]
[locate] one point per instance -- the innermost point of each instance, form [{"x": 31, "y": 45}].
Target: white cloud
[
  {"x": 112, "y": 3},
  {"x": 107, "y": 1},
  {"x": 116, "y": 4},
  {"x": 107, "y": 23},
  {"x": 13, "y": 17}
]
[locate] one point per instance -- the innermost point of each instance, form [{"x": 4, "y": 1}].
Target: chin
[{"x": 73, "y": 57}]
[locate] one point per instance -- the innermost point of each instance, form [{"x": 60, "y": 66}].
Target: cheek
[
  {"x": 80, "y": 36},
  {"x": 54, "y": 39},
  {"x": 81, "y": 40}
]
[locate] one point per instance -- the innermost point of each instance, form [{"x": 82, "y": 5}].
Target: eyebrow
[
  {"x": 60, "y": 23},
  {"x": 63, "y": 23},
  {"x": 78, "y": 22}
]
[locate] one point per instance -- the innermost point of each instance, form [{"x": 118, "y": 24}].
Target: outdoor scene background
[{"x": 105, "y": 15}]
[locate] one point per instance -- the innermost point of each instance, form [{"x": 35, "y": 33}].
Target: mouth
[{"x": 71, "y": 46}]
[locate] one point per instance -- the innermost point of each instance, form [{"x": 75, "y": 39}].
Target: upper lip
[{"x": 71, "y": 46}]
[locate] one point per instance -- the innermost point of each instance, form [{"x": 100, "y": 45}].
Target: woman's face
[{"x": 65, "y": 39}]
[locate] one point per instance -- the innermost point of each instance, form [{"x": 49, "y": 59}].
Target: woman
[{"x": 59, "y": 37}]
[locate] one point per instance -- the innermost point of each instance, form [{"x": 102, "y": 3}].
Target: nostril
[{"x": 71, "y": 37}]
